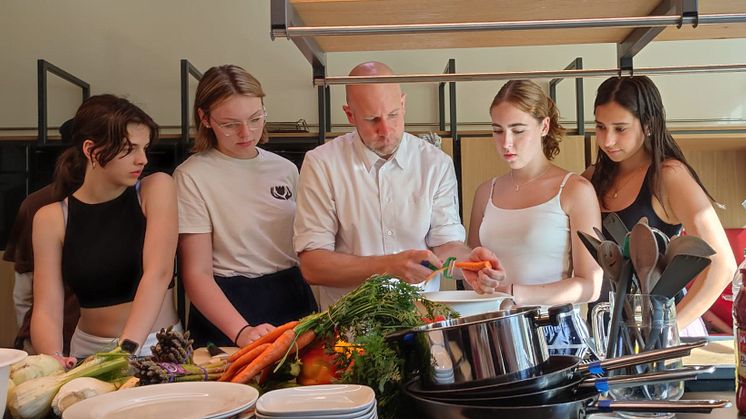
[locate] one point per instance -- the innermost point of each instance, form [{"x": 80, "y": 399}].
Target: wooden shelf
[{"x": 382, "y": 12}]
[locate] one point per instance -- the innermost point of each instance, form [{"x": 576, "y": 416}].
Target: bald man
[{"x": 378, "y": 200}]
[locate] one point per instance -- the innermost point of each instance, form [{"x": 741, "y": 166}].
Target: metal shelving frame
[{"x": 287, "y": 24}]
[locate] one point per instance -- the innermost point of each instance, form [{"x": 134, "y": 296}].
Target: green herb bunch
[{"x": 364, "y": 317}]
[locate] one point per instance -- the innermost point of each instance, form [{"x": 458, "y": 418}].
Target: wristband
[
  {"x": 129, "y": 346},
  {"x": 235, "y": 341}
]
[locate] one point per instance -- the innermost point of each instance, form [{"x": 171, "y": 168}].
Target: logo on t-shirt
[{"x": 281, "y": 192}]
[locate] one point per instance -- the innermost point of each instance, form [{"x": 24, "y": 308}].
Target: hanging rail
[
  {"x": 551, "y": 74},
  {"x": 186, "y": 69},
  {"x": 606, "y": 22},
  {"x": 42, "y": 68}
]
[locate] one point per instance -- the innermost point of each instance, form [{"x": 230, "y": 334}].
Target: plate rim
[
  {"x": 294, "y": 413},
  {"x": 481, "y": 297},
  {"x": 86, "y": 411},
  {"x": 17, "y": 355}
]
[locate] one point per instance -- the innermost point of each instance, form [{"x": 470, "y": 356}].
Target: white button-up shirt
[{"x": 352, "y": 201}]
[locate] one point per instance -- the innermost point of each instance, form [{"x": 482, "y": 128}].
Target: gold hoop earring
[{"x": 93, "y": 164}]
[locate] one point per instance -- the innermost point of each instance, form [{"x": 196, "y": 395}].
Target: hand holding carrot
[
  {"x": 254, "y": 333},
  {"x": 251, "y": 359},
  {"x": 287, "y": 342},
  {"x": 483, "y": 272}
]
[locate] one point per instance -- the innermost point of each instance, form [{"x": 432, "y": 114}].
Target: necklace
[
  {"x": 629, "y": 179},
  {"x": 517, "y": 187}
]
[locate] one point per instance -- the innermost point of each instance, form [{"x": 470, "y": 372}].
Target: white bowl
[
  {"x": 468, "y": 303},
  {"x": 8, "y": 357}
]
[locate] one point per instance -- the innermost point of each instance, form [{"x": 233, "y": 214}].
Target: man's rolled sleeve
[
  {"x": 445, "y": 223},
  {"x": 316, "y": 225}
]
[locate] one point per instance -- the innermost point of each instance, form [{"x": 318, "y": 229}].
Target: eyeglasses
[{"x": 254, "y": 124}]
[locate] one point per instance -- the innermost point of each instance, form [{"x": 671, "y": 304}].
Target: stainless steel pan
[{"x": 501, "y": 346}]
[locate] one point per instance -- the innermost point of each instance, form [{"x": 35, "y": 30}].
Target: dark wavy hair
[
  {"x": 102, "y": 119},
  {"x": 530, "y": 98},
  {"x": 641, "y": 97}
]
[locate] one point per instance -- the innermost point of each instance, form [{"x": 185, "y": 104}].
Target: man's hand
[
  {"x": 486, "y": 281},
  {"x": 407, "y": 265}
]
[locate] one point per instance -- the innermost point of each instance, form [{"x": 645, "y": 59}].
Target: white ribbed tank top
[{"x": 532, "y": 244}]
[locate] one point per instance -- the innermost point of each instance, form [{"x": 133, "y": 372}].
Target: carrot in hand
[
  {"x": 245, "y": 359},
  {"x": 474, "y": 266},
  {"x": 275, "y": 352},
  {"x": 268, "y": 338}
]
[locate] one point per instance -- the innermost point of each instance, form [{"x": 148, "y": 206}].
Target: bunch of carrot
[
  {"x": 378, "y": 306},
  {"x": 250, "y": 360}
]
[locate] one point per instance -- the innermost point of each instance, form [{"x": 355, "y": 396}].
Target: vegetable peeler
[{"x": 446, "y": 269}]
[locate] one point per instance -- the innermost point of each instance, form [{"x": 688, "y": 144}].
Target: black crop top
[
  {"x": 643, "y": 207},
  {"x": 102, "y": 251}
]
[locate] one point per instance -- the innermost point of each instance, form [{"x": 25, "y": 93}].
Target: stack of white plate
[
  {"x": 329, "y": 401},
  {"x": 203, "y": 400},
  {"x": 443, "y": 365}
]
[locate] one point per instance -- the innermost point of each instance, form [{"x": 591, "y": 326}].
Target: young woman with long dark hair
[
  {"x": 112, "y": 239},
  {"x": 640, "y": 171}
]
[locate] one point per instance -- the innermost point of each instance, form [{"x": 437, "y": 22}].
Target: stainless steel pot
[{"x": 470, "y": 351}]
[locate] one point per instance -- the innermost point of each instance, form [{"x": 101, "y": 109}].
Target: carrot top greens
[{"x": 363, "y": 317}]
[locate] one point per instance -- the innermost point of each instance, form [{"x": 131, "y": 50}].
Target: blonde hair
[
  {"x": 530, "y": 98},
  {"x": 216, "y": 85}
]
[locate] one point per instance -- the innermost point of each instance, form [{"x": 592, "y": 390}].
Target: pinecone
[
  {"x": 149, "y": 372},
  {"x": 172, "y": 346}
]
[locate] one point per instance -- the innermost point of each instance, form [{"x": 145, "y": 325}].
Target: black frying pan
[
  {"x": 577, "y": 406},
  {"x": 552, "y": 395},
  {"x": 559, "y": 370}
]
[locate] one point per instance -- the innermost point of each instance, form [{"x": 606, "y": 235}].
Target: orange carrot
[
  {"x": 245, "y": 359},
  {"x": 268, "y": 338},
  {"x": 474, "y": 266},
  {"x": 274, "y": 353}
]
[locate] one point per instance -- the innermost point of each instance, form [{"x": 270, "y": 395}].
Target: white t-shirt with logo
[{"x": 247, "y": 205}]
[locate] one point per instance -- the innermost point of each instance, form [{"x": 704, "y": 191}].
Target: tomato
[{"x": 318, "y": 366}]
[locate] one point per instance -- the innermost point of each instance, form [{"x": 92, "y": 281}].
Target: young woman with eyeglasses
[
  {"x": 236, "y": 210},
  {"x": 112, "y": 239}
]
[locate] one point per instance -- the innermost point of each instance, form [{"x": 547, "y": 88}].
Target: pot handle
[
  {"x": 658, "y": 406},
  {"x": 620, "y": 381},
  {"x": 643, "y": 357},
  {"x": 553, "y": 317}
]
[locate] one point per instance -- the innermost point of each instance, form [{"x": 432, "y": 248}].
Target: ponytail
[
  {"x": 550, "y": 142},
  {"x": 69, "y": 173}
]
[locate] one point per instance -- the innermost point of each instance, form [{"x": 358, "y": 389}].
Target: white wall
[
  {"x": 694, "y": 96},
  {"x": 133, "y": 48}
]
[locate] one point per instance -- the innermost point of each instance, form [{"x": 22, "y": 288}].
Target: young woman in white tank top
[{"x": 530, "y": 216}]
